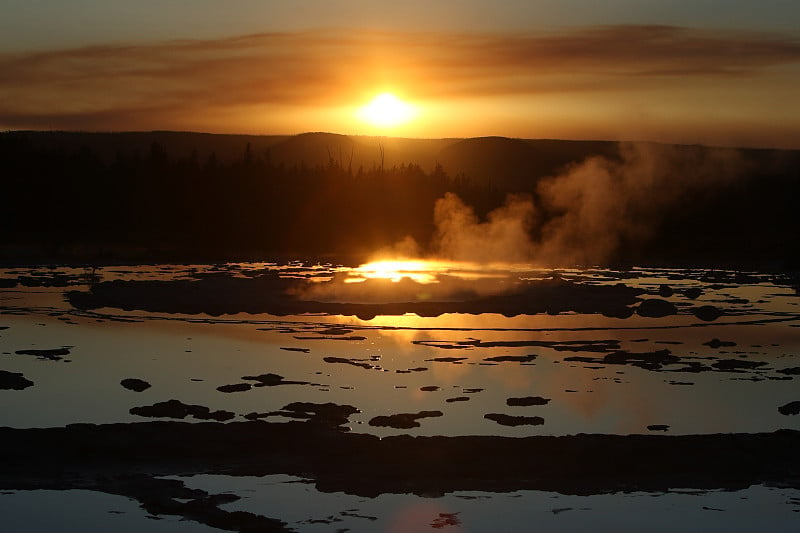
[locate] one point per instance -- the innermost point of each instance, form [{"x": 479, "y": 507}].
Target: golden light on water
[
  {"x": 418, "y": 270},
  {"x": 424, "y": 270}
]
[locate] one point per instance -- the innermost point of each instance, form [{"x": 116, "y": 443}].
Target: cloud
[{"x": 170, "y": 83}]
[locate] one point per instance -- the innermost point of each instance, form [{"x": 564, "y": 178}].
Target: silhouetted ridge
[{"x": 515, "y": 164}]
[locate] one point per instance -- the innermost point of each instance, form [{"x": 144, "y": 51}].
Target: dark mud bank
[
  {"x": 271, "y": 294},
  {"x": 367, "y": 465}
]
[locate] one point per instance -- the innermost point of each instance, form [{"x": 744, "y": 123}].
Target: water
[{"x": 586, "y": 372}]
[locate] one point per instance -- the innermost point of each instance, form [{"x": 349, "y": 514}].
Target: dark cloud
[{"x": 105, "y": 87}]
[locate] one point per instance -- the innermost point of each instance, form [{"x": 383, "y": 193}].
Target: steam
[
  {"x": 587, "y": 214},
  {"x": 584, "y": 216},
  {"x": 600, "y": 205},
  {"x": 504, "y": 237}
]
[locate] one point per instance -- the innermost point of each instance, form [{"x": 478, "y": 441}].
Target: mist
[
  {"x": 503, "y": 237},
  {"x": 599, "y": 207},
  {"x": 591, "y": 213}
]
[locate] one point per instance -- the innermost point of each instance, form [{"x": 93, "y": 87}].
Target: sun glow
[
  {"x": 386, "y": 111},
  {"x": 422, "y": 270},
  {"x": 415, "y": 270}
]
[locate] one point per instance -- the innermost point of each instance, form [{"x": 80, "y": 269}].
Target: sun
[{"x": 386, "y": 111}]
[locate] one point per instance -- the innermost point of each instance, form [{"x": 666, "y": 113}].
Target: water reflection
[{"x": 605, "y": 374}]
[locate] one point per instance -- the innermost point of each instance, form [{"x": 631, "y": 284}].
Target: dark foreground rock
[
  {"x": 511, "y": 358},
  {"x": 367, "y": 465},
  {"x": 178, "y": 409},
  {"x": 271, "y": 380},
  {"x": 791, "y": 408},
  {"x": 134, "y": 384},
  {"x": 54, "y": 354},
  {"x": 716, "y": 343},
  {"x": 235, "y": 387},
  {"x": 402, "y": 420},
  {"x": 509, "y": 420},
  {"x": 648, "y": 360},
  {"x": 708, "y": 313},
  {"x": 330, "y": 415},
  {"x": 14, "y": 381},
  {"x": 734, "y": 365},
  {"x": 655, "y": 308},
  {"x": 527, "y": 400}
]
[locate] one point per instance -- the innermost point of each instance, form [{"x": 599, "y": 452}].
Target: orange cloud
[{"x": 197, "y": 84}]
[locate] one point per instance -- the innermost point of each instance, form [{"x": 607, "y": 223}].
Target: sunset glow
[
  {"x": 416, "y": 270},
  {"x": 680, "y": 83},
  {"x": 386, "y": 111}
]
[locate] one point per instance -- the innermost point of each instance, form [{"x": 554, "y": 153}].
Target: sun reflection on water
[
  {"x": 424, "y": 270},
  {"x": 395, "y": 270}
]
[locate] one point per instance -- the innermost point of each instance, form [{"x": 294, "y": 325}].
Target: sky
[{"x": 701, "y": 71}]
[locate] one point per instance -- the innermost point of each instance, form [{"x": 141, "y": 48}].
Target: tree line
[
  {"x": 160, "y": 206},
  {"x": 80, "y": 205}
]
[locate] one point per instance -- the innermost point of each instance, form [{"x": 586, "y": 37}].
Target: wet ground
[{"x": 420, "y": 349}]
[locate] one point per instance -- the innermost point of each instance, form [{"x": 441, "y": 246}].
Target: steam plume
[
  {"x": 504, "y": 237},
  {"x": 601, "y": 205},
  {"x": 589, "y": 213}
]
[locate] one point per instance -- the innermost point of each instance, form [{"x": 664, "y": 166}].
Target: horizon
[{"x": 398, "y": 137}]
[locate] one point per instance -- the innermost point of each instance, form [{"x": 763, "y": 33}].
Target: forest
[{"x": 70, "y": 198}]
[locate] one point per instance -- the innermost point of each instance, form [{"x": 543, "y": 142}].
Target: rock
[
  {"x": 694, "y": 367},
  {"x": 178, "y": 409},
  {"x": 134, "y": 384},
  {"x": 665, "y": 291},
  {"x": 716, "y": 343},
  {"x": 527, "y": 401},
  {"x": 618, "y": 312},
  {"x": 792, "y": 371},
  {"x": 326, "y": 414},
  {"x": 55, "y": 354},
  {"x": 336, "y": 331},
  {"x": 650, "y": 361},
  {"x": 292, "y": 349},
  {"x": 658, "y": 427},
  {"x": 655, "y": 308},
  {"x": 458, "y": 399},
  {"x": 14, "y": 381},
  {"x": 236, "y": 387},
  {"x": 429, "y": 388},
  {"x": 737, "y": 364},
  {"x": 707, "y": 313},
  {"x": 512, "y": 358},
  {"x": 268, "y": 380},
  {"x": 342, "y": 360},
  {"x": 791, "y": 408},
  {"x": 403, "y": 420},
  {"x": 693, "y": 293},
  {"x": 508, "y": 420}
]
